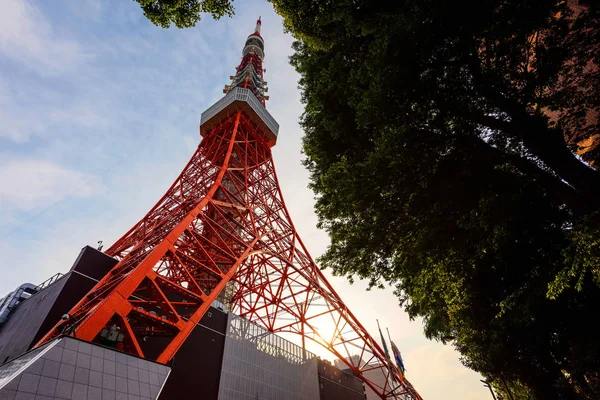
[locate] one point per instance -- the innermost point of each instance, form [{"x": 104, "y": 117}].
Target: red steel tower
[{"x": 223, "y": 222}]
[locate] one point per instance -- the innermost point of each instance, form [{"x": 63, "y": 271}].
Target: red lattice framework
[{"x": 224, "y": 220}]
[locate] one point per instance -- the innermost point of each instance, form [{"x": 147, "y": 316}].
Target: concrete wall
[
  {"x": 258, "y": 364},
  {"x": 378, "y": 378},
  {"x": 335, "y": 384}
]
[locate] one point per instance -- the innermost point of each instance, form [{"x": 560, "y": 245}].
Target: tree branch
[
  {"x": 545, "y": 143},
  {"x": 557, "y": 190}
]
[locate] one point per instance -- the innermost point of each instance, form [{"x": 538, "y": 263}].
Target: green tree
[
  {"x": 440, "y": 138},
  {"x": 183, "y": 13}
]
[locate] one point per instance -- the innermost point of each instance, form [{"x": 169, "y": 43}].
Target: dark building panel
[
  {"x": 20, "y": 331},
  {"x": 335, "y": 384},
  {"x": 93, "y": 263},
  {"x": 90, "y": 263},
  {"x": 73, "y": 290},
  {"x": 33, "y": 318},
  {"x": 197, "y": 365}
]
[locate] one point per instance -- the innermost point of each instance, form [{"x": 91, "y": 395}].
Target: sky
[{"x": 99, "y": 113}]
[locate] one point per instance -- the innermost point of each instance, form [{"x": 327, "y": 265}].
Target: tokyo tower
[{"x": 223, "y": 227}]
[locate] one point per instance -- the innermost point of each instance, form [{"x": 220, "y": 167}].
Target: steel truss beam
[{"x": 224, "y": 220}]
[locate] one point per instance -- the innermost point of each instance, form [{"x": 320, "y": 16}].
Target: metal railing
[{"x": 49, "y": 281}]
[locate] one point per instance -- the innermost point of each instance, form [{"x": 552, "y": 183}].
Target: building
[
  {"x": 235, "y": 358},
  {"x": 374, "y": 375},
  {"x": 33, "y": 317},
  {"x": 334, "y": 383}
]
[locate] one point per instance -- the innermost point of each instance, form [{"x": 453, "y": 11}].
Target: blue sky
[{"x": 99, "y": 112}]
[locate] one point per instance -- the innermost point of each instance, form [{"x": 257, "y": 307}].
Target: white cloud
[
  {"x": 29, "y": 106},
  {"x": 27, "y": 111},
  {"x": 78, "y": 114},
  {"x": 26, "y": 36},
  {"x": 29, "y": 184},
  {"x": 35, "y": 258},
  {"x": 19, "y": 124},
  {"x": 92, "y": 9}
]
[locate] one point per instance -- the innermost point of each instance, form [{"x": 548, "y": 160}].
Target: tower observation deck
[{"x": 246, "y": 91}]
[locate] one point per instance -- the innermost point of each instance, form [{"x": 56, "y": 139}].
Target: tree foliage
[
  {"x": 183, "y": 13},
  {"x": 440, "y": 138}
]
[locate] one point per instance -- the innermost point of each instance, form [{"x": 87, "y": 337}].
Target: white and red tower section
[{"x": 223, "y": 222}]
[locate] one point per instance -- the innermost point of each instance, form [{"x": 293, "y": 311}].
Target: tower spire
[
  {"x": 249, "y": 73},
  {"x": 258, "y": 26}
]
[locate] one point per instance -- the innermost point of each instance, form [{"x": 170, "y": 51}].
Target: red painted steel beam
[{"x": 224, "y": 221}]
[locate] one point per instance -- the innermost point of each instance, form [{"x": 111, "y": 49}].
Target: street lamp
[{"x": 487, "y": 385}]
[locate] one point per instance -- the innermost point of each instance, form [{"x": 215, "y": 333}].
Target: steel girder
[{"x": 224, "y": 221}]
